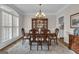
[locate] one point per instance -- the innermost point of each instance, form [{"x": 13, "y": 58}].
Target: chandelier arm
[{"x": 40, "y": 14}]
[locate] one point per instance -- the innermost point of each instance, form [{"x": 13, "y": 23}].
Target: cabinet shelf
[{"x": 39, "y": 23}]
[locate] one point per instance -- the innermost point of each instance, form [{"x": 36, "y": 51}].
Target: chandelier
[{"x": 40, "y": 14}]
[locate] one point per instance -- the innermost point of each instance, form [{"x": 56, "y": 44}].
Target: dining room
[{"x": 36, "y": 28}]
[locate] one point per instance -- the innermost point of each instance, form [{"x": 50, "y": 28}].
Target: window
[
  {"x": 15, "y": 26},
  {"x": 10, "y": 26}
]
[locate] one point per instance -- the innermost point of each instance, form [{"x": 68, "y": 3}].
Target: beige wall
[
  {"x": 71, "y": 9},
  {"x": 51, "y": 22}
]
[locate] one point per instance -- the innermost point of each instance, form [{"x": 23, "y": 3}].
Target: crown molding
[
  {"x": 15, "y": 8},
  {"x": 24, "y": 13}
]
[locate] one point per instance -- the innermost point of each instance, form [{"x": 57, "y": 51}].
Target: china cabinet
[{"x": 40, "y": 23}]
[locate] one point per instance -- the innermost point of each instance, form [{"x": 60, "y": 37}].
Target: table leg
[
  {"x": 56, "y": 41},
  {"x": 48, "y": 46},
  {"x": 41, "y": 46},
  {"x": 30, "y": 47},
  {"x": 37, "y": 46}
]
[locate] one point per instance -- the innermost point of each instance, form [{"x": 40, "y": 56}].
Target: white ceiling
[{"x": 46, "y": 8}]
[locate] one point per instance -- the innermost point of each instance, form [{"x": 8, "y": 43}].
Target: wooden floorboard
[{"x": 11, "y": 45}]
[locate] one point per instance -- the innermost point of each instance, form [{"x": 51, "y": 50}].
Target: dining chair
[
  {"x": 24, "y": 36},
  {"x": 45, "y": 34},
  {"x": 54, "y": 36},
  {"x": 33, "y": 37}
]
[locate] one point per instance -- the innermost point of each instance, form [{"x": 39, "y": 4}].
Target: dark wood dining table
[{"x": 39, "y": 37}]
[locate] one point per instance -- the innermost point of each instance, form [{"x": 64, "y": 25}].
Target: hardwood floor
[
  {"x": 15, "y": 48},
  {"x": 11, "y": 45}
]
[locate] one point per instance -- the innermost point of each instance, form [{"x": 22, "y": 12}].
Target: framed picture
[
  {"x": 74, "y": 20},
  {"x": 61, "y": 22},
  {"x": 61, "y": 26}
]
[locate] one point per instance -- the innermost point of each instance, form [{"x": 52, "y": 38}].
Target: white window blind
[
  {"x": 10, "y": 26},
  {"x": 15, "y": 26}
]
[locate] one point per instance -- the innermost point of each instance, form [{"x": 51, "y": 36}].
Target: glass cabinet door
[{"x": 39, "y": 23}]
